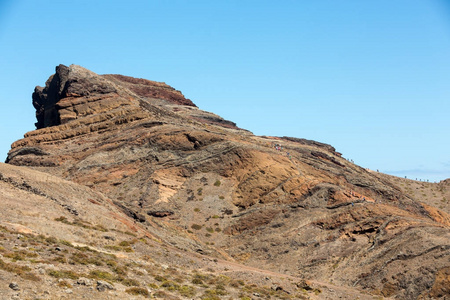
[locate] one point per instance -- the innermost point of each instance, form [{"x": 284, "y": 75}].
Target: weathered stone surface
[
  {"x": 160, "y": 213},
  {"x": 288, "y": 205},
  {"x": 45, "y": 98},
  {"x": 104, "y": 286},
  {"x": 14, "y": 286},
  {"x": 84, "y": 281},
  {"x": 150, "y": 89}
]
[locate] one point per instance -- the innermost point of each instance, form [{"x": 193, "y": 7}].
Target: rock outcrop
[{"x": 197, "y": 181}]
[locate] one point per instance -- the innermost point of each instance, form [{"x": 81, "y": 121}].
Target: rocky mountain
[{"x": 121, "y": 164}]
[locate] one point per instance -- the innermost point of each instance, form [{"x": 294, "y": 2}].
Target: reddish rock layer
[{"x": 150, "y": 89}]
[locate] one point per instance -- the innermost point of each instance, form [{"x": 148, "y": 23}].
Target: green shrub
[
  {"x": 160, "y": 295},
  {"x": 84, "y": 259},
  {"x": 197, "y": 281},
  {"x": 98, "y": 274},
  {"x": 63, "y": 274},
  {"x": 196, "y": 226},
  {"x": 187, "y": 291},
  {"x": 160, "y": 278},
  {"x": 100, "y": 228},
  {"x": 217, "y": 183},
  {"x": 22, "y": 271},
  {"x": 66, "y": 243},
  {"x": 60, "y": 258},
  {"x": 130, "y": 233},
  {"x": 111, "y": 263},
  {"x": 128, "y": 281},
  {"x": 213, "y": 294},
  {"x": 153, "y": 286},
  {"x": 138, "y": 291},
  {"x": 113, "y": 247},
  {"x": 62, "y": 219},
  {"x": 170, "y": 285},
  {"x": 30, "y": 276},
  {"x": 51, "y": 240},
  {"x": 86, "y": 248},
  {"x": 64, "y": 284},
  {"x": 128, "y": 249},
  {"x": 119, "y": 270},
  {"x": 15, "y": 256}
]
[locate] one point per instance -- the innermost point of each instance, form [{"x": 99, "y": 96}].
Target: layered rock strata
[{"x": 198, "y": 181}]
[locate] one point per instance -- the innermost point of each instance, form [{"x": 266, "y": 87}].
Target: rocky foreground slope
[{"x": 131, "y": 155}]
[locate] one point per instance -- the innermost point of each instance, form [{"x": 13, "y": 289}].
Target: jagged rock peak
[
  {"x": 54, "y": 102},
  {"x": 73, "y": 81}
]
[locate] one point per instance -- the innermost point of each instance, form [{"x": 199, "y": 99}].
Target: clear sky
[{"x": 371, "y": 78}]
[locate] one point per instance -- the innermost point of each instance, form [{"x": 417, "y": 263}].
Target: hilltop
[{"x": 138, "y": 187}]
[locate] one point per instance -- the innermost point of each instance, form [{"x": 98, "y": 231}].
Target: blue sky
[{"x": 370, "y": 78}]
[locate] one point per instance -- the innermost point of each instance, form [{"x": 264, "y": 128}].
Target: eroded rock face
[
  {"x": 299, "y": 209},
  {"x": 45, "y": 98},
  {"x": 74, "y": 91},
  {"x": 55, "y": 102},
  {"x": 150, "y": 89}
]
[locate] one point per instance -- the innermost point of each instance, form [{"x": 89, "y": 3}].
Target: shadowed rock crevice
[{"x": 45, "y": 98}]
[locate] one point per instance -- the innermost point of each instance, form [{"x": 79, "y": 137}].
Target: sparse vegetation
[
  {"x": 113, "y": 247},
  {"x": 153, "y": 286},
  {"x": 167, "y": 281},
  {"x": 170, "y": 285},
  {"x": 64, "y": 284},
  {"x": 187, "y": 291},
  {"x": 63, "y": 274},
  {"x": 122, "y": 246},
  {"x": 138, "y": 291},
  {"x": 81, "y": 223},
  {"x": 102, "y": 275},
  {"x": 197, "y": 280},
  {"x": 85, "y": 259},
  {"x": 22, "y": 271},
  {"x": 127, "y": 281},
  {"x": 196, "y": 226},
  {"x": 293, "y": 213},
  {"x": 160, "y": 278}
]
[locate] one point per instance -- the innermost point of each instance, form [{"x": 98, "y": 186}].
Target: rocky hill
[{"x": 129, "y": 169}]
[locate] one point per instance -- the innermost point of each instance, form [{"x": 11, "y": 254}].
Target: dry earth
[
  {"x": 141, "y": 190},
  {"x": 436, "y": 194}
]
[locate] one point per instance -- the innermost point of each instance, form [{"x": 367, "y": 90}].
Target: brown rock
[{"x": 150, "y": 151}]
